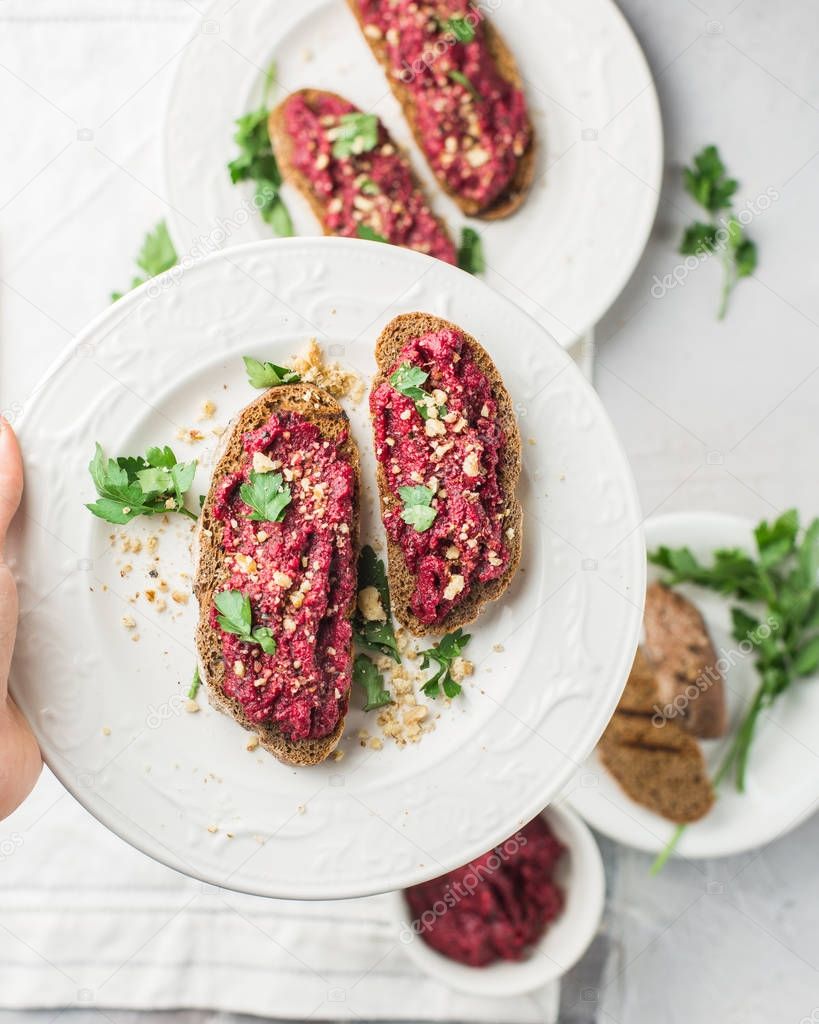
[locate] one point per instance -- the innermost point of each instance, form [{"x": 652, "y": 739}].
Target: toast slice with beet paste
[
  {"x": 467, "y": 450},
  {"x": 370, "y": 190},
  {"x": 471, "y": 92},
  {"x": 298, "y": 571}
]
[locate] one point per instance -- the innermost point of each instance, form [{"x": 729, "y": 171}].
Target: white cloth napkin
[{"x": 85, "y": 920}]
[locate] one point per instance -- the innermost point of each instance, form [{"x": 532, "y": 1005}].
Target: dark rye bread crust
[
  {"x": 320, "y": 408},
  {"x": 402, "y": 582},
  {"x": 515, "y": 194},
  {"x": 660, "y": 767},
  {"x": 283, "y": 146}
]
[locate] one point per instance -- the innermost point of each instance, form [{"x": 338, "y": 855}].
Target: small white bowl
[{"x": 579, "y": 874}]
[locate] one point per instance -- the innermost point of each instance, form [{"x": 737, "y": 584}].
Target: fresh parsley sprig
[
  {"x": 470, "y": 252},
  {"x": 782, "y": 580},
  {"x": 367, "y": 676},
  {"x": 267, "y": 495},
  {"x": 131, "y": 486},
  {"x": 155, "y": 257},
  {"x": 256, "y": 162},
  {"x": 356, "y": 133},
  {"x": 407, "y": 381},
  {"x": 374, "y": 635},
  {"x": 443, "y": 655},
  {"x": 236, "y": 616},
  {"x": 268, "y": 375},
  {"x": 707, "y": 182},
  {"x": 418, "y": 511}
]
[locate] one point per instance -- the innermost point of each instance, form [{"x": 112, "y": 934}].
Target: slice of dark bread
[
  {"x": 396, "y": 334},
  {"x": 283, "y": 146},
  {"x": 654, "y": 760},
  {"x": 682, "y": 653},
  {"x": 515, "y": 194},
  {"x": 323, "y": 410}
]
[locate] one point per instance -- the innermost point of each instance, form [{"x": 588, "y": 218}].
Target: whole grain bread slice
[
  {"x": 515, "y": 194},
  {"x": 396, "y": 334},
  {"x": 319, "y": 408},
  {"x": 653, "y": 759},
  {"x": 284, "y": 147},
  {"x": 685, "y": 662}
]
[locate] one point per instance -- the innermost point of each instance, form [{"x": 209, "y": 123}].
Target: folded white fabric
[{"x": 85, "y": 920}]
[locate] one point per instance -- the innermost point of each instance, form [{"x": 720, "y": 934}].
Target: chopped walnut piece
[
  {"x": 333, "y": 377},
  {"x": 370, "y": 606}
]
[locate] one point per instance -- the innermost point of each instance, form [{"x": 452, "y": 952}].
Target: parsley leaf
[
  {"x": 256, "y": 162},
  {"x": 463, "y": 31},
  {"x": 131, "y": 486},
  {"x": 407, "y": 381},
  {"x": 470, "y": 252},
  {"x": 781, "y": 577},
  {"x": 367, "y": 675},
  {"x": 356, "y": 133},
  {"x": 369, "y": 187},
  {"x": 263, "y": 636},
  {"x": 745, "y": 257},
  {"x": 418, "y": 511},
  {"x": 267, "y": 495},
  {"x": 706, "y": 181},
  {"x": 196, "y": 682},
  {"x": 235, "y": 616},
  {"x": 268, "y": 375},
  {"x": 369, "y": 234},
  {"x": 155, "y": 257},
  {"x": 461, "y": 79},
  {"x": 443, "y": 655},
  {"x": 699, "y": 238},
  {"x": 372, "y": 634}
]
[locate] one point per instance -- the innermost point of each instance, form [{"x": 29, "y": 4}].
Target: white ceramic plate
[
  {"x": 783, "y": 773},
  {"x": 580, "y": 875},
  {"x": 377, "y": 819},
  {"x": 564, "y": 257}
]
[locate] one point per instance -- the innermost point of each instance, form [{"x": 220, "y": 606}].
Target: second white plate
[
  {"x": 570, "y": 250},
  {"x": 783, "y": 771}
]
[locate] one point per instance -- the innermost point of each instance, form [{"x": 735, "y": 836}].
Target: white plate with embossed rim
[
  {"x": 782, "y": 787},
  {"x": 564, "y": 257},
  {"x": 109, "y": 712}
]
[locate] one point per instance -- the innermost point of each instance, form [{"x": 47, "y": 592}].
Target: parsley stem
[
  {"x": 738, "y": 751},
  {"x": 196, "y": 682},
  {"x": 664, "y": 854},
  {"x": 187, "y": 512},
  {"x": 727, "y": 286}
]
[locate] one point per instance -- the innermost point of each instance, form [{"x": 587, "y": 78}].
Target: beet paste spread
[
  {"x": 300, "y": 577},
  {"x": 496, "y": 907},
  {"x": 455, "y": 453},
  {"x": 374, "y": 189},
  {"x": 473, "y": 123}
]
